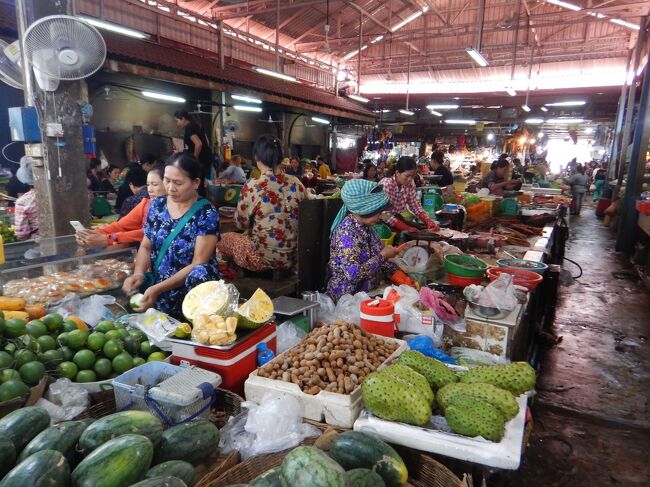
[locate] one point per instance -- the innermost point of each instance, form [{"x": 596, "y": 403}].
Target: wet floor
[{"x": 591, "y": 415}]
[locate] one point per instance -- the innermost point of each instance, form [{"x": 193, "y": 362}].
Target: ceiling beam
[{"x": 245, "y": 13}]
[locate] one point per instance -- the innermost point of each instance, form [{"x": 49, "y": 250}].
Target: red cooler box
[{"x": 232, "y": 362}]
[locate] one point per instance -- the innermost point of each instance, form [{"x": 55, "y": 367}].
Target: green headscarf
[{"x": 360, "y": 197}]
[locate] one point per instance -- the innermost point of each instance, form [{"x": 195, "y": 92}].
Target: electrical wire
[
  {"x": 4, "y": 154},
  {"x": 577, "y": 265}
]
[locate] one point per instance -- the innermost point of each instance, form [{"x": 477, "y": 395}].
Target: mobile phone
[{"x": 77, "y": 225}]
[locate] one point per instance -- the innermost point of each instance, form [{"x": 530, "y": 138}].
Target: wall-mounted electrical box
[{"x": 23, "y": 124}]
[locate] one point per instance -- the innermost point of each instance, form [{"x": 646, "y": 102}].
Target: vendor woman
[
  {"x": 496, "y": 180},
  {"x": 402, "y": 195},
  {"x": 180, "y": 237},
  {"x": 358, "y": 259}
]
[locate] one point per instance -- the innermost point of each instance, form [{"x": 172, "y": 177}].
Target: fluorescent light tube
[
  {"x": 476, "y": 56},
  {"x": 275, "y": 74},
  {"x": 568, "y": 5},
  {"x": 557, "y": 121},
  {"x": 540, "y": 135},
  {"x": 461, "y": 122},
  {"x": 534, "y": 121},
  {"x": 511, "y": 92},
  {"x": 490, "y": 136},
  {"x": 247, "y": 108},
  {"x": 576, "y": 103},
  {"x": 438, "y": 114},
  {"x": 544, "y": 109},
  {"x": 526, "y": 108},
  {"x": 624, "y": 23},
  {"x": 589, "y": 130},
  {"x": 442, "y": 107},
  {"x": 406, "y": 112},
  {"x": 162, "y": 96},
  {"x": 407, "y": 20},
  {"x": 246, "y": 98},
  {"x": 376, "y": 39},
  {"x": 359, "y": 98},
  {"x": 118, "y": 29},
  {"x": 321, "y": 120}
]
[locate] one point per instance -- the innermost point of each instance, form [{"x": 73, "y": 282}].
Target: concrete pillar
[{"x": 60, "y": 198}]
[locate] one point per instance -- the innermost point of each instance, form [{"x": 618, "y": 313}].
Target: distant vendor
[
  {"x": 496, "y": 181},
  {"x": 358, "y": 259},
  {"x": 439, "y": 169}
]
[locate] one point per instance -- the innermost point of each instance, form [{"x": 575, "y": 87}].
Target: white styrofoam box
[
  {"x": 505, "y": 454},
  {"x": 332, "y": 408}
]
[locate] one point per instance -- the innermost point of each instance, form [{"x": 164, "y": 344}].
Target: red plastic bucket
[{"x": 378, "y": 316}]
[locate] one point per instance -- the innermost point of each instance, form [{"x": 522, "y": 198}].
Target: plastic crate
[
  {"x": 388, "y": 241},
  {"x": 139, "y": 389}
]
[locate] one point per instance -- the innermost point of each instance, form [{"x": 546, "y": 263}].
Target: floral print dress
[
  {"x": 268, "y": 206},
  {"x": 355, "y": 262},
  {"x": 181, "y": 252}
]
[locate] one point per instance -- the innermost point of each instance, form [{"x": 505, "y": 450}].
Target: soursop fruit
[
  {"x": 470, "y": 417},
  {"x": 517, "y": 377},
  {"x": 394, "y": 399},
  {"x": 411, "y": 376},
  {"x": 436, "y": 373},
  {"x": 501, "y": 399}
]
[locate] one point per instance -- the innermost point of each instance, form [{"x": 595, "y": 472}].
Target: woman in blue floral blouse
[
  {"x": 358, "y": 259},
  {"x": 190, "y": 256}
]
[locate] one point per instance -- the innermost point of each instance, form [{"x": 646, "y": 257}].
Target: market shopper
[
  {"x": 195, "y": 140},
  {"x": 234, "y": 174},
  {"x": 268, "y": 212},
  {"x": 358, "y": 259},
  {"x": 324, "y": 170},
  {"x": 295, "y": 167},
  {"x": 129, "y": 229},
  {"x": 439, "y": 169},
  {"x": 401, "y": 191},
  {"x": 94, "y": 175},
  {"x": 137, "y": 181},
  {"x": 578, "y": 182},
  {"x": 370, "y": 172},
  {"x": 179, "y": 241},
  {"x": 496, "y": 180},
  {"x": 26, "y": 223},
  {"x": 109, "y": 181}
]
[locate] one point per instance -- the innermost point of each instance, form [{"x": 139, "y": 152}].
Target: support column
[{"x": 60, "y": 198}]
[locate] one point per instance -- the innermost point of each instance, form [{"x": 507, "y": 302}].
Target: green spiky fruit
[
  {"x": 517, "y": 377},
  {"x": 436, "y": 373},
  {"x": 467, "y": 416},
  {"x": 391, "y": 398},
  {"x": 418, "y": 381},
  {"x": 501, "y": 399}
]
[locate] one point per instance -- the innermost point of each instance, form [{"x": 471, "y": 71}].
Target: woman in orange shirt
[{"x": 130, "y": 228}]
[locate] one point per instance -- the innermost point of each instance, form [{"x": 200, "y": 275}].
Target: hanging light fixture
[{"x": 475, "y": 53}]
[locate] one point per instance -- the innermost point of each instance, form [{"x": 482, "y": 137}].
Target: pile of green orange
[{"x": 67, "y": 348}]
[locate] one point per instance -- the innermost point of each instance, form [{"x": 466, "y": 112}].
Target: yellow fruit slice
[
  {"x": 256, "y": 311},
  {"x": 183, "y": 331},
  {"x": 208, "y": 298}
]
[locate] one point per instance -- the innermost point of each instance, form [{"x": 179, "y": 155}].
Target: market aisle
[{"x": 591, "y": 417}]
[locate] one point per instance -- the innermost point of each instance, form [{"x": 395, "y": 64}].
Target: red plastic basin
[
  {"x": 529, "y": 280},
  {"x": 455, "y": 280}
]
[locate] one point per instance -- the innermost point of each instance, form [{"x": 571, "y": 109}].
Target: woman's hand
[
  {"x": 92, "y": 238},
  {"x": 149, "y": 299},
  {"x": 389, "y": 252},
  {"x": 132, "y": 283}
]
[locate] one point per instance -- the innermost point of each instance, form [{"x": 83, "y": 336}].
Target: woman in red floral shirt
[{"x": 268, "y": 213}]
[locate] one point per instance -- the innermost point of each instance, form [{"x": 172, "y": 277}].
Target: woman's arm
[
  {"x": 142, "y": 265},
  {"x": 348, "y": 266},
  {"x": 204, "y": 250},
  {"x": 198, "y": 145}
]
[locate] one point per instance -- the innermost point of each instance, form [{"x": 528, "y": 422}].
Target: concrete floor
[{"x": 591, "y": 415}]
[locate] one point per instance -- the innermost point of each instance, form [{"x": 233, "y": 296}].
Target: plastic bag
[
  {"x": 500, "y": 293},
  {"x": 64, "y": 400},
  {"x": 413, "y": 317},
  {"x": 325, "y": 310},
  {"x": 157, "y": 325},
  {"x": 443, "y": 310},
  {"x": 214, "y": 329},
  {"x": 288, "y": 335},
  {"x": 68, "y": 306},
  {"x": 254, "y": 434},
  {"x": 472, "y": 358},
  {"x": 93, "y": 309},
  {"x": 349, "y": 307},
  {"x": 426, "y": 346}
]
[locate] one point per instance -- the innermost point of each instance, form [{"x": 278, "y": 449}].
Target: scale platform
[{"x": 286, "y": 306}]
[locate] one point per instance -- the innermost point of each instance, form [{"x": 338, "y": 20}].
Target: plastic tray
[
  {"x": 506, "y": 454},
  {"x": 332, "y": 408}
]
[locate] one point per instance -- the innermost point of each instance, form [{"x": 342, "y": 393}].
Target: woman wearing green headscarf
[{"x": 358, "y": 259}]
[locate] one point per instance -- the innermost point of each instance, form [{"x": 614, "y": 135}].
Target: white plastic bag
[
  {"x": 500, "y": 293},
  {"x": 414, "y": 318},
  {"x": 254, "y": 434},
  {"x": 349, "y": 307},
  {"x": 325, "y": 310},
  {"x": 93, "y": 309},
  {"x": 158, "y": 326},
  {"x": 288, "y": 335},
  {"x": 65, "y": 400}
]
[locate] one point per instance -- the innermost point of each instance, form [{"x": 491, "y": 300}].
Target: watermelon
[
  {"x": 119, "y": 462},
  {"x": 270, "y": 478},
  {"x": 309, "y": 466},
  {"x": 354, "y": 449},
  {"x": 118, "y": 424},
  {"x": 7, "y": 455},
  {"x": 22, "y": 425},
  {"x": 174, "y": 468},
  {"x": 62, "y": 437},
  {"x": 192, "y": 442},
  {"x": 161, "y": 482},
  {"x": 363, "y": 477},
  {"x": 47, "y": 468}
]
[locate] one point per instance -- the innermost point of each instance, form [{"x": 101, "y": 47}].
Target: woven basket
[{"x": 424, "y": 471}]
